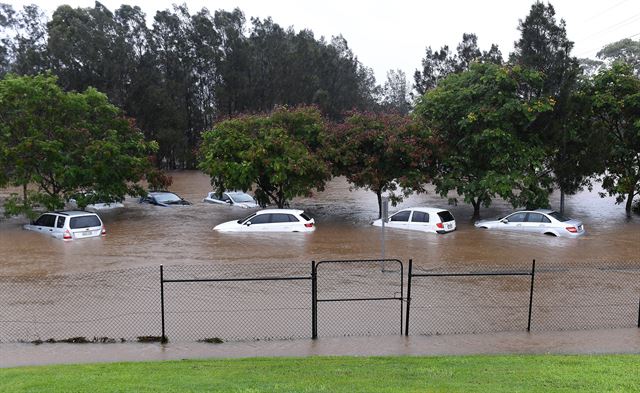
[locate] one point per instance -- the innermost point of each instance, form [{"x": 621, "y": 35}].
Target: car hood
[{"x": 227, "y": 225}]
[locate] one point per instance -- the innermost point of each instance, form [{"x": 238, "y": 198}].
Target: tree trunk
[
  {"x": 561, "y": 202},
  {"x": 24, "y": 194},
  {"x": 629, "y": 203},
  {"x": 379, "y": 195},
  {"x": 476, "y": 209}
]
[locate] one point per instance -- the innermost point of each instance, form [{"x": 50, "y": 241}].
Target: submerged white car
[
  {"x": 271, "y": 220},
  {"x": 543, "y": 221},
  {"x": 232, "y": 198},
  {"x": 425, "y": 219},
  {"x": 68, "y": 225}
]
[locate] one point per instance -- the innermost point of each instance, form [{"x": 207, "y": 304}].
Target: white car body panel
[
  {"x": 246, "y": 224},
  {"x": 553, "y": 227},
  {"x": 58, "y": 230},
  {"x": 413, "y": 225},
  {"x": 232, "y": 197}
]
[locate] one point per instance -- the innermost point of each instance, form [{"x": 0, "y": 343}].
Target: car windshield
[
  {"x": 559, "y": 217},
  {"x": 84, "y": 222},
  {"x": 167, "y": 198},
  {"x": 240, "y": 221},
  {"x": 241, "y": 197}
]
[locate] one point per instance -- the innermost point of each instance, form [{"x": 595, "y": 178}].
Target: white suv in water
[
  {"x": 68, "y": 225},
  {"x": 424, "y": 219}
]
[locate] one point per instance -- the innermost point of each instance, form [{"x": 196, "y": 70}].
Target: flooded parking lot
[{"x": 144, "y": 235}]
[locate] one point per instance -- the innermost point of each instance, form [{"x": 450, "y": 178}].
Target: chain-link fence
[
  {"x": 91, "y": 307},
  {"x": 480, "y": 298},
  {"x": 258, "y": 301}
]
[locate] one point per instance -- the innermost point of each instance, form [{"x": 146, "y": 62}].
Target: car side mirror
[
  {"x": 504, "y": 221},
  {"x": 248, "y": 223},
  {"x": 229, "y": 202}
]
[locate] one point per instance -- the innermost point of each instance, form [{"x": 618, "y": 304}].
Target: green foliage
[
  {"x": 624, "y": 51},
  {"x": 615, "y": 94},
  {"x": 381, "y": 153},
  {"x": 278, "y": 153},
  {"x": 66, "y": 143},
  {"x": 487, "y": 148}
]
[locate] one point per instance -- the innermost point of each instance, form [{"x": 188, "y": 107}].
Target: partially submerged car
[
  {"x": 543, "y": 221},
  {"x": 231, "y": 198},
  {"x": 271, "y": 220},
  {"x": 163, "y": 198},
  {"x": 424, "y": 219},
  {"x": 68, "y": 225},
  {"x": 96, "y": 204}
]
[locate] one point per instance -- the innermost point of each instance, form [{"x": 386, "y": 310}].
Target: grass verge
[{"x": 511, "y": 373}]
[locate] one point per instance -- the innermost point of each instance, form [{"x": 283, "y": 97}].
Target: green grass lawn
[{"x": 544, "y": 373}]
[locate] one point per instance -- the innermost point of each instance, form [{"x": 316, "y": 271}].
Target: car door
[
  {"x": 281, "y": 222},
  {"x": 537, "y": 223},
  {"x": 420, "y": 222},
  {"x": 515, "y": 222},
  {"x": 259, "y": 223},
  {"x": 59, "y": 229},
  {"x": 399, "y": 220},
  {"x": 45, "y": 223}
]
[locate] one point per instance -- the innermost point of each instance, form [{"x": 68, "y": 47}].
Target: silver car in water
[{"x": 543, "y": 221}]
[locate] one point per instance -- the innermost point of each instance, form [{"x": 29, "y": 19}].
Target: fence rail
[{"x": 262, "y": 301}]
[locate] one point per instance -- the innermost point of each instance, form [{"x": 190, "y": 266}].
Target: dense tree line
[
  {"x": 474, "y": 123},
  {"x": 187, "y": 70}
]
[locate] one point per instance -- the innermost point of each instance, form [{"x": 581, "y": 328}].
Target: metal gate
[{"x": 357, "y": 297}]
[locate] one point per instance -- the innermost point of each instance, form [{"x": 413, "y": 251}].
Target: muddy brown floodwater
[{"x": 144, "y": 235}]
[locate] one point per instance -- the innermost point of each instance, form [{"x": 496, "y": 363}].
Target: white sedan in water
[
  {"x": 541, "y": 221},
  {"x": 271, "y": 220},
  {"x": 424, "y": 219},
  {"x": 231, "y": 198}
]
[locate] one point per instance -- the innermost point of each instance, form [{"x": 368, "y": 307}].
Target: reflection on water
[{"x": 142, "y": 235}]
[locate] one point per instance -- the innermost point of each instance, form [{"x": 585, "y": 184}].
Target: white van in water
[
  {"x": 424, "y": 219},
  {"x": 68, "y": 225}
]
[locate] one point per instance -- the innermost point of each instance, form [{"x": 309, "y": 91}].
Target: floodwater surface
[{"x": 144, "y": 235}]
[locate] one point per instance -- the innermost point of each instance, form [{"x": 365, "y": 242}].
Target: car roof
[
  {"x": 155, "y": 193},
  {"x": 235, "y": 192},
  {"x": 544, "y": 211},
  {"x": 285, "y": 211},
  {"x": 425, "y": 209},
  {"x": 74, "y": 213}
]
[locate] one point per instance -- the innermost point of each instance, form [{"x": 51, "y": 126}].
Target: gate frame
[
  {"x": 314, "y": 285},
  {"x": 410, "y": 275}
]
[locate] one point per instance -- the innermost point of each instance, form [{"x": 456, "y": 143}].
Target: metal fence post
[
  {"x": 163, "y": 338},
  {"x": 314, "y": 301},
  {"x": 406, "y": 325},
  {"x": 638, "y": 312},
  {"x": 533, "y": 275}
]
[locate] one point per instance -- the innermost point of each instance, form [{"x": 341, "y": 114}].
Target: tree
[
  {"x": 436, "y": 65},
  {"x": 381, "y": 152},
  {"x": 616, "y": 106},
  {"x": 396, "y": 93},
  {"x": 625, "y": 50},
  {"x": 543, "y": 46},
  {"x": 277, "y": 153},
  {"x": 66, "y": 143},
  {"x": 483, "y": 122}
]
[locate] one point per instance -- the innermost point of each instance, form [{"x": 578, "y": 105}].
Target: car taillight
[
  {"x": 67, "y": 235},
  {"x": 104, "y": 231},
  {"x": 572, "y": 229},
  {"x": 309, "y": 225},
  {"x": 440, "y": 225}
]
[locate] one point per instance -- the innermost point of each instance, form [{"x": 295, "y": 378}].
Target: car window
[
  {"x": 241, "y": 197},
  {"x": 275, "y": 218},
  {"x": 401, "y": 216},
  {"x": 305, "y": 216},
  {"x": 84, "y": 222},
  {"x": 420, "y": 217},
  {"x": 517, "y": 217},
  {"x": 261, "y": 219},
  {"x": 225, "y": 198},
  {"x": 559, "y": 217},
  {"x": 166, "y": 198},
  {"x": 46, "y": 220},
  {"x": 60, "y": 222},
  {"x": 446, "y": 216},
  {"x": 537, "y": 217}
]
